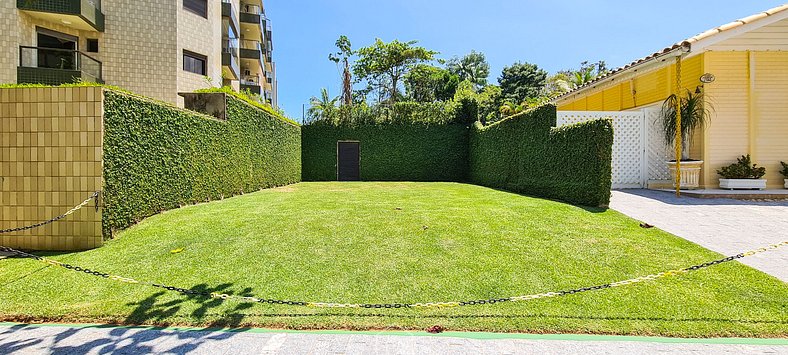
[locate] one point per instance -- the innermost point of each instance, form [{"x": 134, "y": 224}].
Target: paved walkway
[
  {"x": 24, "y": 339},
  {"x": 724, "y": 225}
]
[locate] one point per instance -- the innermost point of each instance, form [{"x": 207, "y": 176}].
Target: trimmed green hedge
[
  {"x": 525, "y": 154},
  {"x": 389, "y": 152},
  {"x": 158, "y": 157}
]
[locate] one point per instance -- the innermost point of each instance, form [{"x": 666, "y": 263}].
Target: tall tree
[
  {"x": 322, "y": 108},
  {"x": 384, "y": 65},
  {"x": 343, "y": 56},
  {"x": 427, "y": 83},
  {"x": 472, "y": 67},
  {"x": 489, "y": 102},
  {"x": 521, "y": 81},
  {"x": 446, "y": 85}
]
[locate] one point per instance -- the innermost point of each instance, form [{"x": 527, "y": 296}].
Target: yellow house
[{"x": 744, "y": 65}]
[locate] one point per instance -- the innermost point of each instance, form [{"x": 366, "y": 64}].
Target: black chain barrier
[
  {"x": 54, "y": 219},
  {"x": 190, "y": 292}
]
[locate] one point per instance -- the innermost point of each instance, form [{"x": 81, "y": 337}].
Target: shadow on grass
[
  {"x": 590, "y": 209},
  {"x": 151, "y": 310}
]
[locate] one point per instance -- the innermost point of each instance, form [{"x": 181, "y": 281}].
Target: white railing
[
  {"x": 251, "y": 9},
  {"x": 250, "y": 80}
]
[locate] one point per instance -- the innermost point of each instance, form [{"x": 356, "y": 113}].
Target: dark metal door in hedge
[{"x": 348, "y": 160}]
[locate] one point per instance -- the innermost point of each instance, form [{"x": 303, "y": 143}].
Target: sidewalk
[
  {"x": 726, "y": 226},
  {"x": 63, "y": 339}
]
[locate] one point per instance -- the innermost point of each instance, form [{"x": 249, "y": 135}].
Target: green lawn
[{"x": 400, "y": 242}]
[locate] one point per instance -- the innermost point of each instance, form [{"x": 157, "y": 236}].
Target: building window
[
  {"x": 93, "y": 46},
  {"x": 199, "y": 7},
  {"x": 194, "y": 63}
]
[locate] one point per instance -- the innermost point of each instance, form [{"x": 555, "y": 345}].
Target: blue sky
[{"x": 553, "y": 34}]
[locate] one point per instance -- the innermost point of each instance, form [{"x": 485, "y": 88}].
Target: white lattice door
[
  {"x": 657, "y": 151},
  {"x": 629, "y": 143}
]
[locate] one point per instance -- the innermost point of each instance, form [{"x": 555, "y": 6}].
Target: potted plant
[
  {"x": 784, "y": 172},
  {"x": 694, "y": 115},
  {"x": 742, "y": 175}
]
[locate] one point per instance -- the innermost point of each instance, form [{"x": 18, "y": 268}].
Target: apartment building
[{"x": 155, "y": 48}]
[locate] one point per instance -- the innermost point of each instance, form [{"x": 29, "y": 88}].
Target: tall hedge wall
[
  {"x": 389, "y": 152},
  {"x": 526, "y": 154},
  {"x": 158, "y": 157}
]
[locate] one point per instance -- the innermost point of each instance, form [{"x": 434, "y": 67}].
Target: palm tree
[
  {"x": 322, "y": 108},
  {"x": 509, "y": 109},
  {"x": 472, "y": 67},
  {"x": 694, "y": 115},
  {"x": 575, "y": 79},
  {"x": 566, "y": 81},
  {"x": 557, "y": 84}
]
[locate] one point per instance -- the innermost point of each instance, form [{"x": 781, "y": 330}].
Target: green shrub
[
  {"x": 785, "y": 169},
  {"x": 404, "y": 112},
  {"x": 418, "y": 113},
  {"x": 389, "y": 152},
  {"x": 158, "y": 157},
  {"x": 525, "y": 154},
  {"x": 742, "y": 169}
]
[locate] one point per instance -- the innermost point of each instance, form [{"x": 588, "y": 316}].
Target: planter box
[
  {"x": 690, "y": 174},
  {"x": 744, "y": 184},
  {"x": 786, "y": 183}
]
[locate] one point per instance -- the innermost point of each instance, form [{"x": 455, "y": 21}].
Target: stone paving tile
[
  {"x": 22, "y": 339},
  {"x": 726, "y": 226}
]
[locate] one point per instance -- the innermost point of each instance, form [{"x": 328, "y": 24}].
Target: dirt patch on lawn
[{"x": 288, "y": 188}]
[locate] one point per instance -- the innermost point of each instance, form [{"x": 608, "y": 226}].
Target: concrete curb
[{"x": 464, "y": 335}]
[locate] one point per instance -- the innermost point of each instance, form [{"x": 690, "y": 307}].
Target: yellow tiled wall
[{"x": 50, "y": 161}]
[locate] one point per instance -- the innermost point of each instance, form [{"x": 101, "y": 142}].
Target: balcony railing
[
  {"x": 251, "y": 9},
  {"x": 253, "y": 14},
  {"x": 251, "y": 50},
  {"x": 250, "y": 44},
  {"x": 230, "y": 58},
  {"x": 230, "y": 45},
  {"x": 56, "y": 66},
  {"x": 251, "y": 83},
  {"x": 228, "y": 11},
  {"x": 250, "y": 80}
]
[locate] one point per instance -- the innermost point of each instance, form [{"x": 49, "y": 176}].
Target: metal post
[{"x": 679, "y": 138}]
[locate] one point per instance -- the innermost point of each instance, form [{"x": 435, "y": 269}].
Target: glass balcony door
[{"x": 63, "y": 54}]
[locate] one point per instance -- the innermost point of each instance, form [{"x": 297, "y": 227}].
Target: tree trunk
[
  {"x": 393, "y": 97},
  {"x": 347, "y": 89}
]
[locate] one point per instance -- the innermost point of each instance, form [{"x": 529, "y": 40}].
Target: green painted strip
[{"x": 466, "y": 335}]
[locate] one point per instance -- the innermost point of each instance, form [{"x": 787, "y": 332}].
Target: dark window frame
[
  {"x": 194, "y": 6},
  {"x": 189, "y": 65},
  {"x": 90, "y": 48},
  {"x": 57, "y": 34}
]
